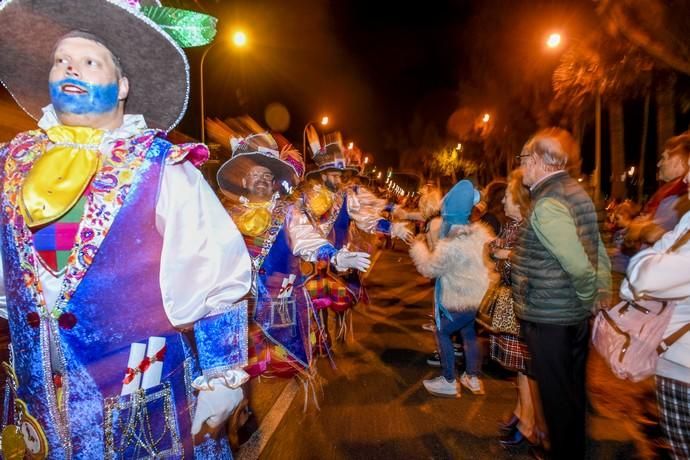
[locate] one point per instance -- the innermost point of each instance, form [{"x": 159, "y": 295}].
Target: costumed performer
[
  {"x": 330, "y": 208},
  {"x": 259, "y": 180},
  {"x": 110, "y": 241}
]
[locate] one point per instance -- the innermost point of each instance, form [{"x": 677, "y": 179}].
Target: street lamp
[
  {"x": 554, "y": 40},
  {"x": 350, "y": 146},
  {"x": 324, "y": 121},
  {"x": 239, "y": 40},
  {"x": 485, "y": 119}
]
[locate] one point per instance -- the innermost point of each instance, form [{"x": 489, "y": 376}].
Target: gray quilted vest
[{"x": 542, "y": 290}]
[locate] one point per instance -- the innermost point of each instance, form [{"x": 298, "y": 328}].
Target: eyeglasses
[
  {"x": 264, "y": 176},
  {"x": 519, "y": 158}
]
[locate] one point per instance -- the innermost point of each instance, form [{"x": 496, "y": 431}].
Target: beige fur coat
[{"x": 461, "y": 261}]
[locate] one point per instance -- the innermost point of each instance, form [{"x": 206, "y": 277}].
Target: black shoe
[
  {"x": 513, "y": 439},
  {"x": 537, "y": 452},
  {"x": 510, "y": 425},
  {"x": 434, "y": 359}
]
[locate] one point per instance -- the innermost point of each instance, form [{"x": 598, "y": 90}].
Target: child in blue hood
[{"x": 462, "y": 271}]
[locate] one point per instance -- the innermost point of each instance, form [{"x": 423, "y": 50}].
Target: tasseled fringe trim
[
  {"x": 312, "y": 385},
  {"x": 345, "y": 329}
]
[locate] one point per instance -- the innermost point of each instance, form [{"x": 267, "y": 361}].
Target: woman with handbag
[
  {"x": 507, "y": 348},
  {"x": 662, "y": 272}
]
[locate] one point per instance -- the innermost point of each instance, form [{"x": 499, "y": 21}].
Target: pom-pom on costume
[{"x": 110, "y": 249}]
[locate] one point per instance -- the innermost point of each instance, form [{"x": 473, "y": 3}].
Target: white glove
[
  {"x": 345, "y": 259},
  {"x": 215, "y": 406},
  {"x": 400, "y": 230}
]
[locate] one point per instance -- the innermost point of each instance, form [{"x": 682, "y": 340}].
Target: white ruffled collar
[{"x": 131, "y": 125}]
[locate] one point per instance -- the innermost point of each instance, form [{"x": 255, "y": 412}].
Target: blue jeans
[{"x": 463, "y": 321}]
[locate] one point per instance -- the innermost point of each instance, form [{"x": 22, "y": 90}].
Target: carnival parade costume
[
  {"x": 110, "y": 249},
  {"x": 282, "y": 313},
  {"x": 331, "y": 213}
]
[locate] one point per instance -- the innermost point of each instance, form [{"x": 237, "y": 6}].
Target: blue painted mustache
[{"x": 97, "y": 99}]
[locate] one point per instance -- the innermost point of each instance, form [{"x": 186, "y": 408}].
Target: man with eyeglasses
[{"x": 560, "y": 273}]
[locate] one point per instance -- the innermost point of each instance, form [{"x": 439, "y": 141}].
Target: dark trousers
[{"x": 559, "y": 358}]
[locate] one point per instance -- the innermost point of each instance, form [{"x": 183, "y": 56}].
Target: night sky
[
  {"x": 371, "y": 66},
  {"x": 367, "y": 65}
]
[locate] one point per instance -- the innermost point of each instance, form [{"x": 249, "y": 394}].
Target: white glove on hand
[
  {"x": 215, "y": 406},
  {"x": 345, "y": 259},
  {"x": 400, "y": 230}
]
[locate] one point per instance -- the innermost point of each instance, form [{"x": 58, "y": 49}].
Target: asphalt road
[{"x": 373, "y": 405}]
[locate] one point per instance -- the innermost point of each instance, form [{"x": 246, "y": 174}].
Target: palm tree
[
  {"x": 608, "y": 67},
  {"x": 657, "y": 26},
  {"x": 660, "y": 28}
]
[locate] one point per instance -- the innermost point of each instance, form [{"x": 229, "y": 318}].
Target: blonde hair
[
  {"x": 430, "y": 202},
  {"x": 518, "y": 192}
]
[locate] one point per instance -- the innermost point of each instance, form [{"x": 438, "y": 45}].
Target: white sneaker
[
  {"x": 472, "y": 383},
  {"x": 442, "y": 387}
]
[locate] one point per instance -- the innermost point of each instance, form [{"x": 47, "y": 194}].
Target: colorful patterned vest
[
  {"x": 327, "y": 287},
  {"x": 111, "y": 299},
  {"x": 281, "y": 331}
]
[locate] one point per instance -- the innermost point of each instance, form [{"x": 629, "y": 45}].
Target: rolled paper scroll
[
  {"x": 152, "y": 375},
  {"x": 137, "y": 352}
]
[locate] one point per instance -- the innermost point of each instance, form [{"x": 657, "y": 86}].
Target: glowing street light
[
  {"x": 239, "y": 39},
  {"x": 485, "y": 119},
  {"x": 324, "y": 120},
  {"x": 366, "y": 160},
  {"x": 459, "y": 146},
  {"x": 351, "y": 145},
  {"x": 554, "y": 40}
]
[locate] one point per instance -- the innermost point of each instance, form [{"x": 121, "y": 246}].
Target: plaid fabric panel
[
  {"x": 673, "y": 398},
  {"x": 258, "y": 352},
  {"x": 509, "y": 351},
  {"x": 54, "y": 242},
  {"x": 339, "y": 293},
  {"x": 317, "y": 288}
]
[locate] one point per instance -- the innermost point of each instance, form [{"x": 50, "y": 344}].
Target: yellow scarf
[
  {"x": 255, "y": 220},
  {"x": 319, "y": 201},
  {"x": 59, "y": 177}
]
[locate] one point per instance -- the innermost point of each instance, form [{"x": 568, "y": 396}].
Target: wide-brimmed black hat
[
  {"x": 263, "y": 150},
  {"x": 145, "y": 37}
]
